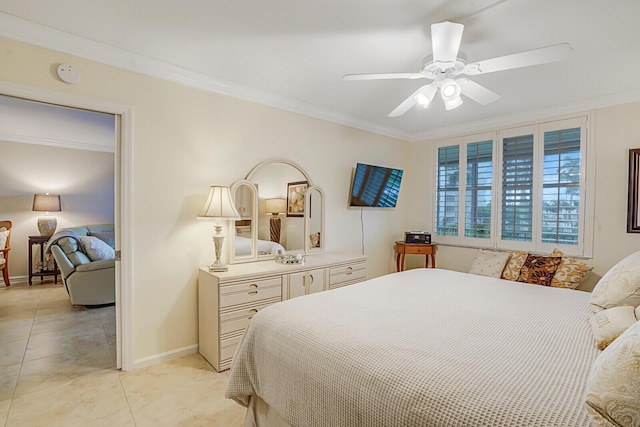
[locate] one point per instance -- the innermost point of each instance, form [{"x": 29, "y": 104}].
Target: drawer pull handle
[
  {"x": 253, "y": 285},
  {"x": 252, "y": 313},
  {"x": 349, "y": 271},
  {"x": 253, "y": 293}
]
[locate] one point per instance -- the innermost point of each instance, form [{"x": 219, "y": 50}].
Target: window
[{"x": 522, "y": 188}]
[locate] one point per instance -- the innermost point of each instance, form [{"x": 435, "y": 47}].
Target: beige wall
[
  {"x": 84, "y": 180},
  {"x": 616, "y": 130},
  {"x": 186, "y": 140}
]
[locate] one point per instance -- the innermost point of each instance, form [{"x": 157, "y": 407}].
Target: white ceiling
[{"x": 292, "y": 53}]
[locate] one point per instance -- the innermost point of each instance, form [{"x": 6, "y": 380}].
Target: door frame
[{"x": 123, "y": 197}]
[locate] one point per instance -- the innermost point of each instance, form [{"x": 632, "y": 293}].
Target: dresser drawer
[
  {"x": 251, "y": 292},
  {"x": 250, "y": 285},
  {"x": 237, "y": 320},
  {"x": 347, "y": 273},
  {"x": 228, "y": 347}
]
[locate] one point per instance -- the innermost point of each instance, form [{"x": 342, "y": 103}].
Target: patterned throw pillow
[
  {"x": 489, "y": 263},
  {"x": 570, "y": 271},
  {"x": 619, "y": 286},
  {"x": 609, "y": 324},
  {"x": 514, "y": 265},
  {"x": 539, "y": 270},
  {"x": 613, "y": 393}
]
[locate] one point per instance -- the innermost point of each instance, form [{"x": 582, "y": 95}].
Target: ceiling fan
[{"x": 446, "y": 66}]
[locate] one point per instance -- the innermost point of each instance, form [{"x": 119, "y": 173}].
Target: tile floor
[{"x": 57, "y": 368}]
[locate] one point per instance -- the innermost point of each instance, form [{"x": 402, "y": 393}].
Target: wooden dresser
[{"x": 228, "y": 300}]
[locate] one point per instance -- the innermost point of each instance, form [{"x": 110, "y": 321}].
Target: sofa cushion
[
  {"x": 105, "y": 236},
  {"x": 71, "y": 247},
  {"x": 96, "y": 249}
]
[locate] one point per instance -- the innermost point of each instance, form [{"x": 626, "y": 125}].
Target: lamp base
[
  {"x": 218, "y": 268},
  {"x": 47, "y": 225},
  {"x": 218, "y": 240}
]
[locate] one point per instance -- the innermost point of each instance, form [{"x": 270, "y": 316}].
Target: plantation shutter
[{"x": 517, "y": 188}]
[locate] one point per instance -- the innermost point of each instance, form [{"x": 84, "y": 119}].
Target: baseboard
[
  {"x": 165, "y": 357},
  {"x": 18, "y": 279}
]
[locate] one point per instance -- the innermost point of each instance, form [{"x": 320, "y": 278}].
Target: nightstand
[
  {"x": 42, "y": 242},
  {"x": 428, "y": 250}
]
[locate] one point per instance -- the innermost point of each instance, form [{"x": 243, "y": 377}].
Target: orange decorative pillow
[
  {"x": 514, "y": 265},
  {"x": 539, "y": 270},
  {"x": 570, "y": 272}
]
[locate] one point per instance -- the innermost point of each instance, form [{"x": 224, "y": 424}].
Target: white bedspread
[{"x": 426, "y": 347}]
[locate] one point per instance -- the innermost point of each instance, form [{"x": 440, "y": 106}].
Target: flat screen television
[{"x": 375, "y": 186}]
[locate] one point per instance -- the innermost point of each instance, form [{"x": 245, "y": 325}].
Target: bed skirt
[{"x": 260, "y": 414}]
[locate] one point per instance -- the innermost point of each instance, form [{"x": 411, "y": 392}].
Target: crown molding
[
  {"x": 527, "y": 116},
  {"x": 39, "y": 35}
]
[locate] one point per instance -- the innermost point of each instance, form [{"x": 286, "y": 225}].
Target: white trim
[
  {"x": 35, "y": 34},
  {"x": 124, "y": 283},
  {"x": 165, "y": 357},
  {"x": 42, "y": 36},
  {"x": 530, "y": 116},
  {"x": 53, "y": 142}
]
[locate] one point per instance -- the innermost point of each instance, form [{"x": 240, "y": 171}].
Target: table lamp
[
  {"x": 218, "y": 206},
  {"x": 275, "y": 207},
  {"x": 46, "y": 203}
]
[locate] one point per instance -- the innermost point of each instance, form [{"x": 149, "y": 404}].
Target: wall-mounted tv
[{"x": 375, "y": 186}]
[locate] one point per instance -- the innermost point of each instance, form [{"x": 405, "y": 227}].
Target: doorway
[{"x": 122, "y": 199}]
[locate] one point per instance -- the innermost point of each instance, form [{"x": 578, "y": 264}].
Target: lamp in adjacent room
[
  {"x": 46, "y": 203},
  {"x": 275, "y": 207},
  {"x": 219, "y": 206}
]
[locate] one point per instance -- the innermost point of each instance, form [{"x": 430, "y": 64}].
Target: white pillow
[
  {"x": 489, "y": 263},
  {"x": 96, "y": 249},
  {"x": 3, "y": 239},
  {"x": 613, "y": 392},
  {"x": 619, "y": 286},
  {"x": 609, "y": 324}
]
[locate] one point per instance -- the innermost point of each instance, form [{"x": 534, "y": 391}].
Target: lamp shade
[
  {"x": 276, "y": 206},
  {"x": 219, "y": 204},
  {"x": 46, "y": 203}
]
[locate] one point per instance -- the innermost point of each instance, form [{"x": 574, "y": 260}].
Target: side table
[
  {"x": 428, "y": 250},
  {"x": 41, "y": 241}
]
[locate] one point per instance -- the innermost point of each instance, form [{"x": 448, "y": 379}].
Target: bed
[
  {"x": 424, "y": 347},
  {"x": 265, "y": 247}
]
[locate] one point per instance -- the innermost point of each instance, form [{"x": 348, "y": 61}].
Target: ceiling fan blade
[
  {"x": 384, "y": 76},
  {"x": 409, "y": 102},
  {"x": 445, "y": 41},
  {"x": 477, "y": 92},
  {"x": 517, "y": 60}
]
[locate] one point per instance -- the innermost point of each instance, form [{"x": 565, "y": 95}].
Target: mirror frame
[
  {"x": 254, "y": 224},
  {"x": 633, "y": 221},
  {"x": 254, "y": 217},
  {"x": 307, "y": 220}
]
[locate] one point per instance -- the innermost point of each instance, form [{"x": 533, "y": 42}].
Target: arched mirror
[{"x": 287, "y": 209}]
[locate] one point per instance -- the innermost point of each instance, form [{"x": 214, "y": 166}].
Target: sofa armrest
[
  {"x": 65, "y": 266},
  {"x": 96, "y": 265}
]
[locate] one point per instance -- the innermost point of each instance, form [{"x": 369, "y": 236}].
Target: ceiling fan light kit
[{"x": 447, "y": 63}]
